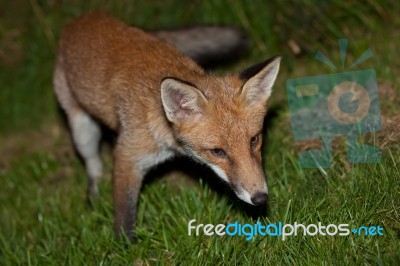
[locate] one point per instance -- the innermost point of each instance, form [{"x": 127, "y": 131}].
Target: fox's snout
[
  {"x": 256, "y": 193},
  {"x": 258, "y": 198}
]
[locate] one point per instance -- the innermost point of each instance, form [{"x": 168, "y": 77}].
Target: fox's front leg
[{"x": 127, "y": 183}]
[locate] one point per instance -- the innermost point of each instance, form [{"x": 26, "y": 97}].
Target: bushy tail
[{"x": 207, "y": 45}]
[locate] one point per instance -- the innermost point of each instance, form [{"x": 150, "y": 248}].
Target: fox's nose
[{"x": 259, "y": 198}]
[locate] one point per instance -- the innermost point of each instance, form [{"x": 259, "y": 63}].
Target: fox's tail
[{"x": 207, "y": 45}]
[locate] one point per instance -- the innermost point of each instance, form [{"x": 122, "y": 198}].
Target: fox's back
[{"x": 103, "y": 57}]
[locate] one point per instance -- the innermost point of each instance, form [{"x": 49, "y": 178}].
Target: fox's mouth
[{"x": 257, "y": 198}]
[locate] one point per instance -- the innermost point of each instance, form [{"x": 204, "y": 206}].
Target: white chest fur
[{"x": 150, "y": 160}]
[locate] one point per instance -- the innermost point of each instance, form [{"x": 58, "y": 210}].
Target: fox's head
[{"x": 219, "y": 121}]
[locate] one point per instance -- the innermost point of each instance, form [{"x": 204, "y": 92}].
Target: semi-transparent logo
[{"x": 341, "y": 104}]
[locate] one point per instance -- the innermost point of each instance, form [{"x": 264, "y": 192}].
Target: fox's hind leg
[{"x": 86, "y": 132}]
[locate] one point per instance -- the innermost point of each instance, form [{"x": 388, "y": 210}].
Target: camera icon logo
[
  {"x": 359, "y": 94},
  {"x": 341, "y": 104}
]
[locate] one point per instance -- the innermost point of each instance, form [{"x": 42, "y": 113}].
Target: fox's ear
[
  {"x": 181, "y": 101},
  {"x": 259, "y": 81}
]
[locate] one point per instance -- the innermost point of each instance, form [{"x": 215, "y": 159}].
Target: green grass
[{"x": 44, "y": 215}]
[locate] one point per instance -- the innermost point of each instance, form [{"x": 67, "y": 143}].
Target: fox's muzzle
[{"x": 255, "y": 196}]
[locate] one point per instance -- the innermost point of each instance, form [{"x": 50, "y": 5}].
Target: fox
[{"x": 161, "y": 104}]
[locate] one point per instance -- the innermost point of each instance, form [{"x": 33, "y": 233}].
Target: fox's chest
[{"x": 151, "y": 160}]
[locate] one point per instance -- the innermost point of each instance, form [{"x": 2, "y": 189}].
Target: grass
[{"x": 44, "y": 215}]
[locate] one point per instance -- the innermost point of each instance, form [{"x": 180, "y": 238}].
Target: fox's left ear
[{"x": 259, "y": 81}]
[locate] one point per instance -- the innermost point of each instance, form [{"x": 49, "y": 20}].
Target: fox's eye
[
  {"x": 254, "y": 140},
  {"x": 218, "y": 152}
]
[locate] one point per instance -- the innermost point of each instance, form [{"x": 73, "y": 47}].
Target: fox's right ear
[{"x": 181, "y": 101}]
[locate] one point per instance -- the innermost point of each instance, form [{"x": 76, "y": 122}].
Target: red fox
[{"x": 161, "y": 104}]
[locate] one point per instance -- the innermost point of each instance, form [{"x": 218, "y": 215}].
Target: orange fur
[{"x": 115, "y": 73}]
